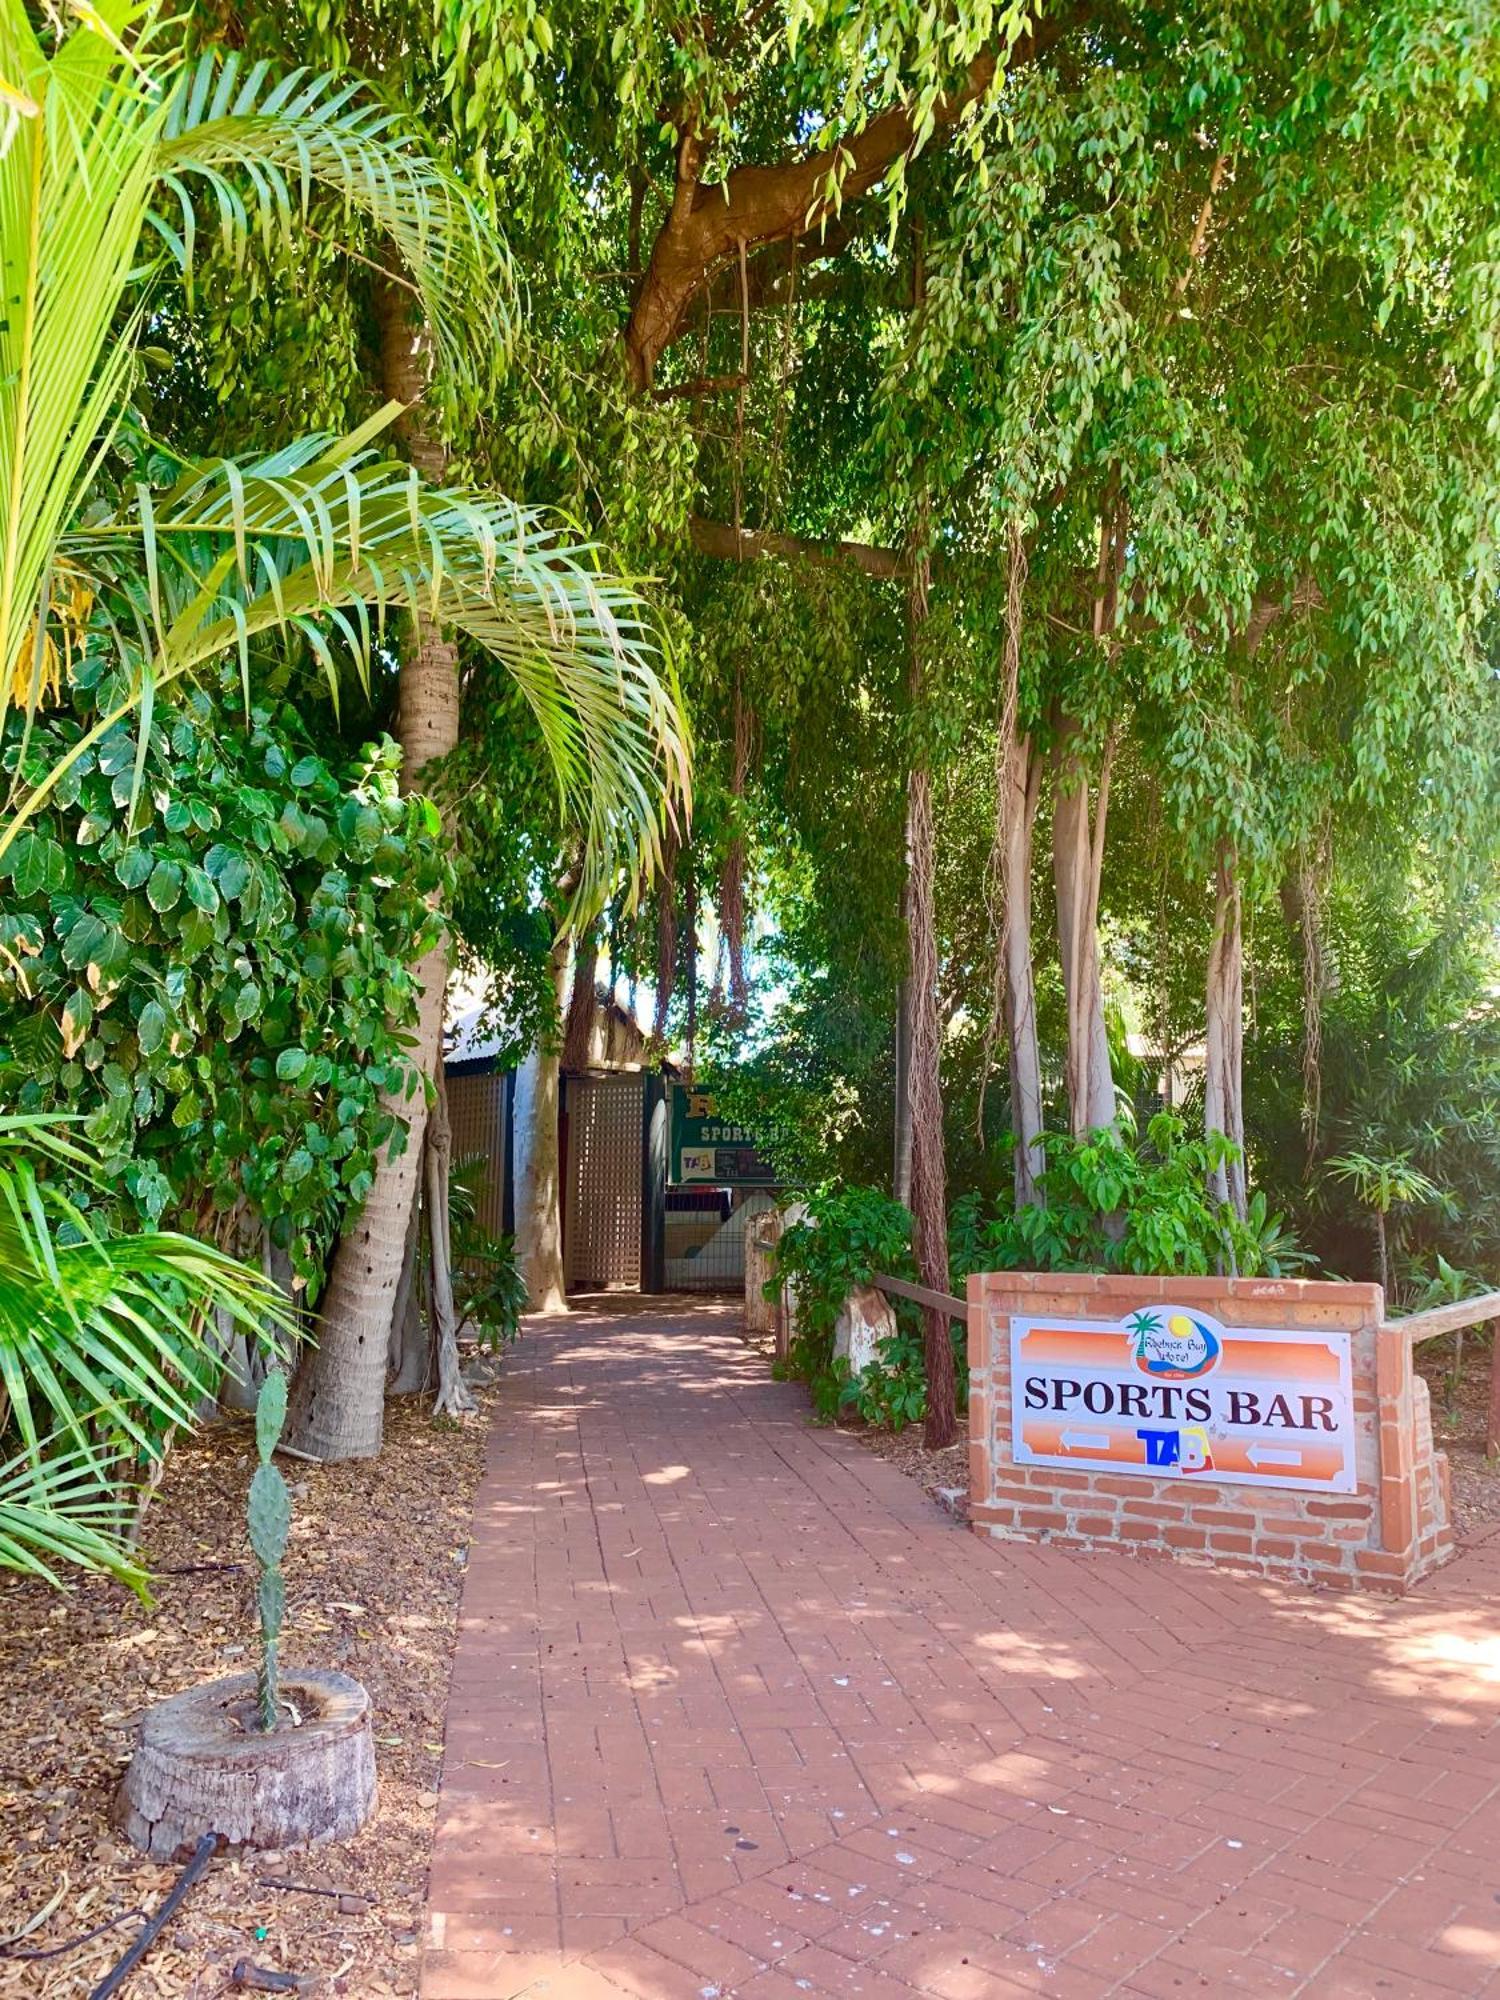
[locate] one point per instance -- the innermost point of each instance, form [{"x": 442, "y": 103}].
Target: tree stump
[{"x": 202, "y": 1765}]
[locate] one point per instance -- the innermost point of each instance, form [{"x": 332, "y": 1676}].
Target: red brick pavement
[{"x": 737, "y": 1711}]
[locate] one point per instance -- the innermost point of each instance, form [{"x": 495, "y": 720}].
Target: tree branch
[
  {"x": 729, "y": 544},
  {"x": 756, "y": 204},
  {"x": 718, "y": 538},
  {"x": 1265, "y": 611},
  {"x": 699, "y": 385}
]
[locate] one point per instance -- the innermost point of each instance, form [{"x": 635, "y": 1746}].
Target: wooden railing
[
  {"x": 1448, "y": 1319},
  {"x": 901, "y": 1288},
  {"x": 1438, "y": 1320}
]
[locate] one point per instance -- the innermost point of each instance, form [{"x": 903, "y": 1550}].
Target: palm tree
[
  {"x": 311, "y": 534},
  {"x": 108, "y": 139},
  {"x": 1383, "y": 1182}
]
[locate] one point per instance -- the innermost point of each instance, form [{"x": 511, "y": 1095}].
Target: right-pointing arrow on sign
[
  {"x": 1264, "y": 1454},
  {"x": 1084, "y": 1440}
]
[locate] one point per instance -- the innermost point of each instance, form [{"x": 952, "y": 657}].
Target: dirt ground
[
  {"x": 1458, "y": 1422},
  {"x": 943, "y": 1474},
  {"x": 373, "y": 1575}
]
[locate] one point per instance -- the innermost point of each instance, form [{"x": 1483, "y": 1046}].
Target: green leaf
[
  {"x": 151, "y": 1029},
  {"x": 134, "y": 866},
  {"x": 201, "y": 892},
  {"x": 165, "y": 886},
  {"x": 38, "y": 865},
  {"x": 228, "y": 867},
  {"x": 291, "y": 1063},
  {"x": 196, "y": 931},
  {"x": 78, "y": 1012},
  {"x": 87, "y": 937}
]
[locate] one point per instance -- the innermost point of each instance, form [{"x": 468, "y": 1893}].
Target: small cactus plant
[{"x": 269, "y": 1514}]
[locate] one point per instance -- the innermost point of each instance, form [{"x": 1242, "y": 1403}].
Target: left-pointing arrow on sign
[
  {"x": 1264, "y": 1454},
  {"x": 1083, "y": 1440}
]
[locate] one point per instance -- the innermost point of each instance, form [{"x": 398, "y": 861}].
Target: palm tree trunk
[
  {"x": 583, "y": 1005},
  {"x": 666, "y": 938},
  {"x": 338, "y": 1404}
]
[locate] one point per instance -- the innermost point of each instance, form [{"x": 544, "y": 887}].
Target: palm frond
[
  {"x": 74, "y": 184},
  {"x": 66, "y": 1510},
  {"x": 107, "y": 125},
  {"x": 260, "y": 141},
  {"x": 96, "y": 1325},
  {"x": 330, "y": 531}
]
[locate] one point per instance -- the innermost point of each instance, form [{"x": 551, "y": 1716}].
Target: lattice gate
[
  {"x": 477, "y": 1114},
  {"x": 602, "y": 1222}
]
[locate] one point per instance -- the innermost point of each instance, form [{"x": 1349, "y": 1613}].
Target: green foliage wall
[{"x": 220, "y": 991}]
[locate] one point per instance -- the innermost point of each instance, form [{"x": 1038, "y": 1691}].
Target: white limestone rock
[
  {"x": 786, "y": 1312},
  {"x": 867, "y": 1318},
  {"x": 760, "y": 1268}
]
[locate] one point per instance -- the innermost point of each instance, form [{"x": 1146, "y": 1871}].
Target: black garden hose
[{"x": 111, "y": 1983}]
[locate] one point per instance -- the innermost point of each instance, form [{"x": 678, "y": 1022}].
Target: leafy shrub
[
  {"x": 1409, "y": 1071},
  {"x": 892, "y": 1391},
  {"x": 850, "y": 1234},
  {"x": 1109, "y": 1204},
  {"x": 489, "y": 1291},
  {"x": 847, "y": 1236}
]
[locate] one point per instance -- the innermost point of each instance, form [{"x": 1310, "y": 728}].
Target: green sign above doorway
[{"x": 710, "y": 1151}]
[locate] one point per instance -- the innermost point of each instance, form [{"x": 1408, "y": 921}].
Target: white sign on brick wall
[{"x": 1170, "y": 1393}]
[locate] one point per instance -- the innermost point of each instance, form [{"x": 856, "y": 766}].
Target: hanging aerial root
[
  {"x": 666, "y": 937},
  {"x": 1006, "y": 807},
  {"x": 732, "y": 880}
]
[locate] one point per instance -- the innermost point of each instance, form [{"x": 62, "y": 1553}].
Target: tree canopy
[{"x": 1031, "y": 472}]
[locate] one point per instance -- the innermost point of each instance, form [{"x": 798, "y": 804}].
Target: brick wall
[{"x": 1394, "y": 1528}]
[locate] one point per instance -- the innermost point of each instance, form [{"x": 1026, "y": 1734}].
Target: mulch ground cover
[
  {"x": 944, "y": 1474},
  {"x": 373, "y": 1573}
]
